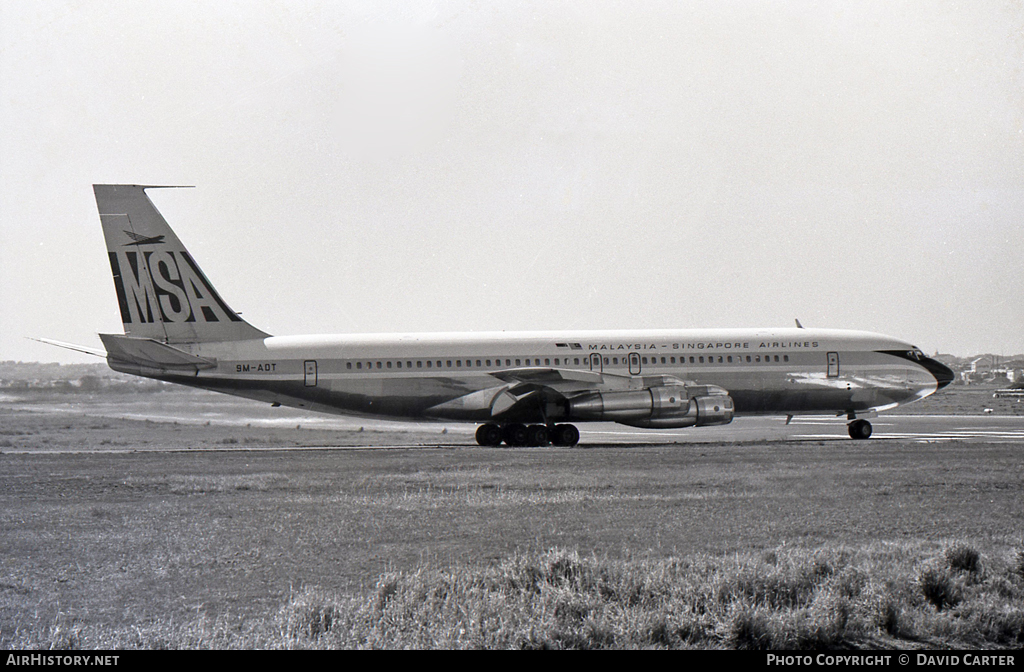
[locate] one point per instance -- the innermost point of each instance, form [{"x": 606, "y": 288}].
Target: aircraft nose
[{"x": 943, "y": 374}]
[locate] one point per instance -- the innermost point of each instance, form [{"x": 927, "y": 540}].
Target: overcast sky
[{"x": 415, "y": 166}]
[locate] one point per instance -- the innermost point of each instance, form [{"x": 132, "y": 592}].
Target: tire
[
  {"x": 488, "y": 435},
  {"x": 565, "y": 435},
  {"x": 537, "y": 435},
  {"x": 860, "y": 429},
  {"x": 514, "y": 434}
]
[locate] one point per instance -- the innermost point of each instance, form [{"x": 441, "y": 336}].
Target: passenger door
[{"x": 833, "y": 365}]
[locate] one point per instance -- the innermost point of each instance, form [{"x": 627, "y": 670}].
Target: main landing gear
[
  {"x": 527, "y": 435},
  {"x": 860, "y": 429}
]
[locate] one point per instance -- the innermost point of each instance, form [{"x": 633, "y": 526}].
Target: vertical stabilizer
[{"x": 161, "y": 291}]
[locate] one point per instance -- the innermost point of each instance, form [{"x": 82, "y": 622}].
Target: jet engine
[{"x": 657, "y": 407}]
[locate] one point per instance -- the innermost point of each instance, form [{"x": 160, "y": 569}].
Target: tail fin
[{"x": 161, "y": 291}]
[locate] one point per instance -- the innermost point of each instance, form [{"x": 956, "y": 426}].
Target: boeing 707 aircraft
[{"x": 529, "y": 388}]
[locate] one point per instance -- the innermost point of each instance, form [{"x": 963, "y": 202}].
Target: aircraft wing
[
  {"x": 525, "y": 386},
  {"x": 553, "y": 377},
  {"x": 570, "y": 382}
]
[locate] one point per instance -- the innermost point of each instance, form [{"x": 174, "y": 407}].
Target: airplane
[{"x": 522, "y": 389}]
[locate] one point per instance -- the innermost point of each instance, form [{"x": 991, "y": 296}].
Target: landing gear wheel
[
  {"x": 488, "y": 435},
  {"x": 860, "y": 429},
  {"x": 565, "y": 435},
  {"x": 515, "y": 434},
  {"x": 537, "y": 435}
]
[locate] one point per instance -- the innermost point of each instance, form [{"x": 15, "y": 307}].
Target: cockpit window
[{"x": 914, "y": 355}]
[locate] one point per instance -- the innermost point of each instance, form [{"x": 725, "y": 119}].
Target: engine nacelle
[{"x": 658, "y": 407}]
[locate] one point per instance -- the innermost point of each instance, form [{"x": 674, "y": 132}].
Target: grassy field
[
  {"x": 238, "y": 539},
  {"x": 964, "y": 400}
]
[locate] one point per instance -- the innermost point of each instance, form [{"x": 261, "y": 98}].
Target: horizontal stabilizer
[
  {"x": 148, "y": 353},
  {"x": 71, "y": 346}
]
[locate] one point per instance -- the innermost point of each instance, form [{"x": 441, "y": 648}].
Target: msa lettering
[{"x": 164, "y": 287}]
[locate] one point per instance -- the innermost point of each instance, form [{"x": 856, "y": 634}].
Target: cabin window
[
  {"x": 389, "y": 365},
  {"x": 448, "y": 363},
  {"x": 785, "y": 358},
  {"x": 517, "y": 362},
  {"x": 349, "y": 365},
  {"x": 729, "y": 359},
  {"x": 419, "y": 364},
  {"x": 643, "y": 360},
  {"x": 547, "y": 362},
  {"x": 605, "y": 360},
  {"x": 359, "y": 365},
  {"x": 458, "y": 362},
  {"x": 556, "y": 361}
]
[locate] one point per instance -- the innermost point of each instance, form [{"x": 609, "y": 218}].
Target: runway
[
  {"x": 919, "y": 428},
  {"x": 206, "y": 411}
]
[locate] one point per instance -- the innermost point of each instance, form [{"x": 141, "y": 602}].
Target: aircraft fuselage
[{"x": 416, "y": 376}]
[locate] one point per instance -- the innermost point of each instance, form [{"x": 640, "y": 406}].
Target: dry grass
[{"x": 783, "y": 599}]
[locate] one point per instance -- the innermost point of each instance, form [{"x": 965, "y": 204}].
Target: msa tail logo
[
  {"x": 143, "y": 240},
  {"x": 164, "y": 287}
]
